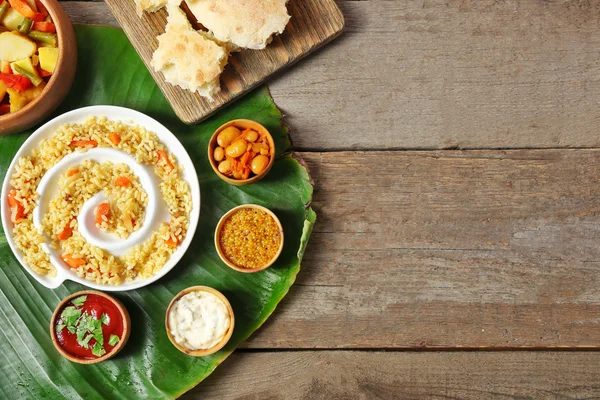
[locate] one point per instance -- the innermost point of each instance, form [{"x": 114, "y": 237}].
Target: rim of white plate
[{"x": 130, "y": 117}]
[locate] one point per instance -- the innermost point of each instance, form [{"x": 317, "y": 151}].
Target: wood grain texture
[
  {"x": 87, "y": 12},
  {"x": 444, "y": 73},
  {"x": 432, "y": 74},
  {"x": 447, "y": 249},
  {"x": 336, "y": 375},
  {"x": 313, "y": 23}
]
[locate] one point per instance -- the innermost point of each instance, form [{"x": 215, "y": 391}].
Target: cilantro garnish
[
  {"x": 114, "y": 339},
  {"x": 70, "y": 316},
  {"x": 71, "y": 312},
  {"x": 85, "y": 342},
  {"x": 81, "y": 331},
  {"x": 85, "y": 326},
  {"x": 98, "y": 336},
  {"x": 98, "y": 350},
  {"x": 79, "y": 300}
]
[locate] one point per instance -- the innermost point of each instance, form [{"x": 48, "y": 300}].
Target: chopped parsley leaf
[
  {"x": 70, "y": 316},
  {"x": 81, "y": 331},
  {"x": 98, "y": 336},
  {"x": 98, "y": 350},
  {"x": 71, "y": 312},
  {"x": 79, "y": 300},
  {"x": 114, "y": 339},
  {"x": 85, "y": 342}
]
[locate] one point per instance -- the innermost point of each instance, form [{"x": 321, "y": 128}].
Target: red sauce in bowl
[{"x": 86, "y": 315}]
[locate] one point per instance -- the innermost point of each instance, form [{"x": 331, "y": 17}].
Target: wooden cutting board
[{"x": 313, "y": 24}]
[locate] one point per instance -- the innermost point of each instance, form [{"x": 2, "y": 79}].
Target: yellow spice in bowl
[{"x": 250, "y": 238}]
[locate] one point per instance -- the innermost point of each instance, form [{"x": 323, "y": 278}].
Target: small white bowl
[{"x": 144, "y": 172}]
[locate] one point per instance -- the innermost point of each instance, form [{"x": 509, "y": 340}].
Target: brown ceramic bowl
[
  {"x": 60, "y": 82},
  {"x": 218, "y": 238},
  {"x": 218, "y": 346},
  {"x": 114, "y": 351},
  {"x": 242, "y": 124}
]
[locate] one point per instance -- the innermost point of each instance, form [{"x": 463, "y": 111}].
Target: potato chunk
[
  {"x": 14, "y": 47},
  {"x": 48, "y": 58},
  {"x": 2, "y": 90},
  {"x": 20, "y": 98}
]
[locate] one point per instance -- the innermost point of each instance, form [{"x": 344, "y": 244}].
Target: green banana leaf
[{"x": 110, "y": 72}]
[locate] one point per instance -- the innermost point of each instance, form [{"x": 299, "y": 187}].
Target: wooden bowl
[
  {"x": 60, "y": 82},
  {"x": 220, "y": 228},
  {"x": 243, "y": 124},
  {"x": 114, "y": 351},
  {"x": 218, "y": 346}
]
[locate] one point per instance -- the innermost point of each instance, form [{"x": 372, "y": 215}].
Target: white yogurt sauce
[{"x": 199, "y": 320}]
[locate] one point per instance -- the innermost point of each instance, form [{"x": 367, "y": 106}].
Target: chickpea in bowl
[{"x": 241, "y": 152}]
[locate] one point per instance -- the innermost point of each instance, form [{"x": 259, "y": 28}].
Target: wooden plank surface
[
  {"x": 313, "y": 23},
  {"x": 446, "y": 249},
  {"x": 333, "y": 375},
  {"x": 439, "y": 74}
]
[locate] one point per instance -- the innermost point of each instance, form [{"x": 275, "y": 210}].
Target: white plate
[{"x": 156, "y": 210}]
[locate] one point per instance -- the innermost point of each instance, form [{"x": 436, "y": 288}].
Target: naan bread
[
  {"x": 151, "y": 5},
  {"x": 187, "y": 58},
  {"x": 245, "y": 23}
]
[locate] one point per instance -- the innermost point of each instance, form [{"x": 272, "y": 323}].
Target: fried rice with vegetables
[{"x": 123, "y": 213}]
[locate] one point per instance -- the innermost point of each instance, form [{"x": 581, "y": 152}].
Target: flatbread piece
[
  {"x": 188, "y": 58},
  {"x": 245, "y": 23}
]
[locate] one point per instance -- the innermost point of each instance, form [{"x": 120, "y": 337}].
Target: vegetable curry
[{"x": 28, "y": 52}]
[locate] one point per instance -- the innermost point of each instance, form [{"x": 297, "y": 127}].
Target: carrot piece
[
  {"x": 115, "y": 138},
  {"x": 66, "y": 232},
  {"x": 164, "y": 157},
  {"x": 18, "y": 82},
  {"x": 246, "y": 173},
  {"x": 122, "y": 181},
  {"x": 44, "y": 26},
  {"x": 24, "y": 9},
  {"x": 41, "y": 8},
  {"x": 102, "y": 210},
  {"x": 72, "y": 171},
  {"x": 171, "y": 242},
  {"x": 71, "y": 261},
  {"x": 17, "y": 209},
  {"x": 17, "y": 213},
  {"x": 84, "y": 143},
  {"x": 43, "y": 73},
  {"x": 245, "y": 158},
  {"x": 234, "y": 164},
  {"x": 12, "y": 201},
  {"x": 7, "y": 70}
]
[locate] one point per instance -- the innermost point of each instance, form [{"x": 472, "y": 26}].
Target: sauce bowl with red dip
[{"x": 89, "y": 326}]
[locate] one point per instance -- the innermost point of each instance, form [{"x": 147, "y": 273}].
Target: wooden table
[{"x": 456, "y": 152}]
